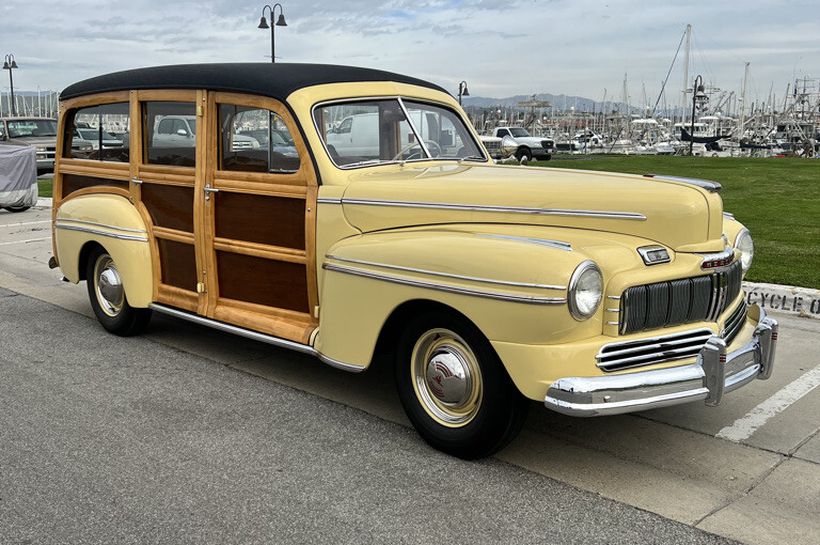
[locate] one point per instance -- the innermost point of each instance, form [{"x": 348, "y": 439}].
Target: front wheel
[
  {"x": 523, "y": 154},
  {"x": 107, "y": 295},
  {"x": 455, "y": 389}
]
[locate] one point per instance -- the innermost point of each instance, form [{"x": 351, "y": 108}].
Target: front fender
[
  {"x": 115, "y": 224},
  {"x": 512, "y": 288}
]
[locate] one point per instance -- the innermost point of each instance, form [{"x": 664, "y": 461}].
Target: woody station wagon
[{"x": 352, "y": 214}]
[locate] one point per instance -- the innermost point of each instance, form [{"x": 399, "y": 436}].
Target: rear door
[{"x": 165, "y": 177}]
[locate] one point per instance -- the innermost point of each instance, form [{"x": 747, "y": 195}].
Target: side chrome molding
[
  {"x": 256, "y": 336},
  {"x": 529, "y": 299}
]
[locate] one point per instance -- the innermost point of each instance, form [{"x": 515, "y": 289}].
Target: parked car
[
  {"x": 38, "y": 132},
  {"x": 94, "y": 137},
  {"x": 526, "y": 147},
  {"x": 482, "y": 285}
]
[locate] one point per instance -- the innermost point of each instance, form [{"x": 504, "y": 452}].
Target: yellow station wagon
[{"x": 351, "y": 214}]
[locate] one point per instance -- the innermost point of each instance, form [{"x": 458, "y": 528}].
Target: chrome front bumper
[{"x": 713, "y": 374}]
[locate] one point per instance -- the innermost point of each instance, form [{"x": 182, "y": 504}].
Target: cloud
[{"x": 501, "y": 47}]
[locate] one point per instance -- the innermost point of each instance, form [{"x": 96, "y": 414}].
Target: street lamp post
[
  {"x": 699, "y": 98},
  {"x": 462, "y": 91},
  {"x": 263, "y": 23},
  {"x": 10, "y": 64}
]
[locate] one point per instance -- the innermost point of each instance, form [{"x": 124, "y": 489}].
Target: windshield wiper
[{"x": 471, "y": 158}]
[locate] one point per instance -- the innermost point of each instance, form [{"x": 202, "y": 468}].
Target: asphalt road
[
  {"x": 191, "y": 435},
  {"x": 108, "y": 440}
]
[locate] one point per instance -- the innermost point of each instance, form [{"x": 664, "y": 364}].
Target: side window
[
  {"x": 169, "y": 133},
  {"x": 98, "y": 132},
  {"x": 503, "y": 132},
  {"x": 255, "y": 140}
]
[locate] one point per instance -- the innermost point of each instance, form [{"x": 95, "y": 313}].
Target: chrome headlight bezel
[
  {"x": 585, "y": 268},
  {"x": 747, "y": 252}
]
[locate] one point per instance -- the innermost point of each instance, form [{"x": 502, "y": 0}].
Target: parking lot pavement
[
  {"x": 105, "y": 439},
  {"x": 761, "y": 487}
]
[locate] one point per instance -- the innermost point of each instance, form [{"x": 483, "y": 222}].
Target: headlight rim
[
  {"x": 736, "y": 246},
  {"x": 573, "y": 284}
]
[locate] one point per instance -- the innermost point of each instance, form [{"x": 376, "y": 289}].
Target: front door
[{"x": 259, "y": 203}]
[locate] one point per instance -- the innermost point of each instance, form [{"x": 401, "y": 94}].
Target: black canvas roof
[{"x": 267, "y": 79}]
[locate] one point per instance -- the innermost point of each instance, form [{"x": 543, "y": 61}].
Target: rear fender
[{"x": 115, "y": 224}]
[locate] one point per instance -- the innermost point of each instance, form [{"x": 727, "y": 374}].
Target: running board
[{"x": 256, "y": 336}]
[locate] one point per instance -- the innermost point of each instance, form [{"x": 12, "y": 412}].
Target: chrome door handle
[
  {"x": 208, "y": 191},
  {"x": 136, "y": 180}
]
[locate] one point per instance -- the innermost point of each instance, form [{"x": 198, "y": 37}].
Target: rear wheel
[
  {"x": 107, "y": 295},
  {"x": 17, "y": 208},
  {"x": 454, "y": 388}
]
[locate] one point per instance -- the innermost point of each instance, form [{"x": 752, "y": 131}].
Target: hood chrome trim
[
  {"x": 605, "y": 214},
  {"x": 708, "y": 185}
]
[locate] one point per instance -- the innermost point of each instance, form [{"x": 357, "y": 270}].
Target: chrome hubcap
[
  {"x": 446, "y": 377},
  {"x": 108, "y": 286}
]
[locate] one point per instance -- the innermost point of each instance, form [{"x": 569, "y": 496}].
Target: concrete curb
[
  {"x": 792, "y": 300},
  {"x": 43, "y": 202}
]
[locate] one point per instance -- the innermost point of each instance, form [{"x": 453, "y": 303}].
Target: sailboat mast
[
  {"x": 684, "y": 100},
  {"x": 743, "y": 102}
]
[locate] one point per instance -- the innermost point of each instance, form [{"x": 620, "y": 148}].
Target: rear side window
[
  {"x": 255, "y": 140},
  {"x": 169, "y": 133},
  {"x": 98, "y": 132}
]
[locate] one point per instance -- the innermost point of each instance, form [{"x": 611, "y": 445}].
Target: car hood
[
  {"x": 672, "y": 212},
  {"x": 531, "y": 140},
  {"x": 36, "y": 140}
]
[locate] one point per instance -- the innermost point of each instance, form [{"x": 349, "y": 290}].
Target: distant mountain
[{"x": 559, "y": 102}]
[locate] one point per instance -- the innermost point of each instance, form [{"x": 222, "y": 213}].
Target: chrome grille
[
  {"x": 677, "y": 346},
  {"x": 617, "y": 356},
  {"x": 675, "y": 302},
  {"x": 734, "y": 323}
]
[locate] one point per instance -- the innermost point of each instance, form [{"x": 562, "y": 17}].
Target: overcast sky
[{"x": 501, "y": 47}]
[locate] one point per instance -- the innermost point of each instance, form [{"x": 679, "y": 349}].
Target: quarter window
[
  {"x": 255, "y": 140},
  {"x": 98, "y": 132},
  {"x": 169, "y": 132}
]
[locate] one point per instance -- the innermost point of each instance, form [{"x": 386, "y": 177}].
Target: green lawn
[
  {"x": 777, "y": 199},
  {"x": 45, "y": 186}
]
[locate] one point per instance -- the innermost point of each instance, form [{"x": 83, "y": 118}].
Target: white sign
[{"x": 786, "y": 299}]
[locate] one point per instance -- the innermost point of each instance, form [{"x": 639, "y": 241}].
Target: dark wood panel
[
  {"x": 177, "y": 264},
  {"x": 75, "y": 182},
  {"x": 278, "y": 221},
  {"x": 170, "y": 206},
  {"x": 263, "y": 281}
]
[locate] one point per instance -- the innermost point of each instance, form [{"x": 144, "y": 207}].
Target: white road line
[
  {"x": 24, "y": 241},
  {"x": 744, "y": 427},
  {"x": 24, "y": 223}
]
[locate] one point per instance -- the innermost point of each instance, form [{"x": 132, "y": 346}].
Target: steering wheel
[{"x": 432, "y": 147}]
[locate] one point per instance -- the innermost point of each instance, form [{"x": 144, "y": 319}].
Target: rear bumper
[{"x": 713, "y": 374}]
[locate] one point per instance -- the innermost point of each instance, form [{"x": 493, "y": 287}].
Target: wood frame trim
[{"x": 97, "y": 190}]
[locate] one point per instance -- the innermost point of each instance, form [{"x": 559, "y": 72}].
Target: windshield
[
  {"x": 32, "y": 127},
  {"x": 519, "y": 133},
  {"x": 375, "y": 132}
]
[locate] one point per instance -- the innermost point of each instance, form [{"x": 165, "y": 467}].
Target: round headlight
[
  {"x": 586, "y": 288},
  {"x": 746, "y": 246}
]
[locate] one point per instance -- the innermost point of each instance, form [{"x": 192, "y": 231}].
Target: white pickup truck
[{"x": 526, "y": 146}]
